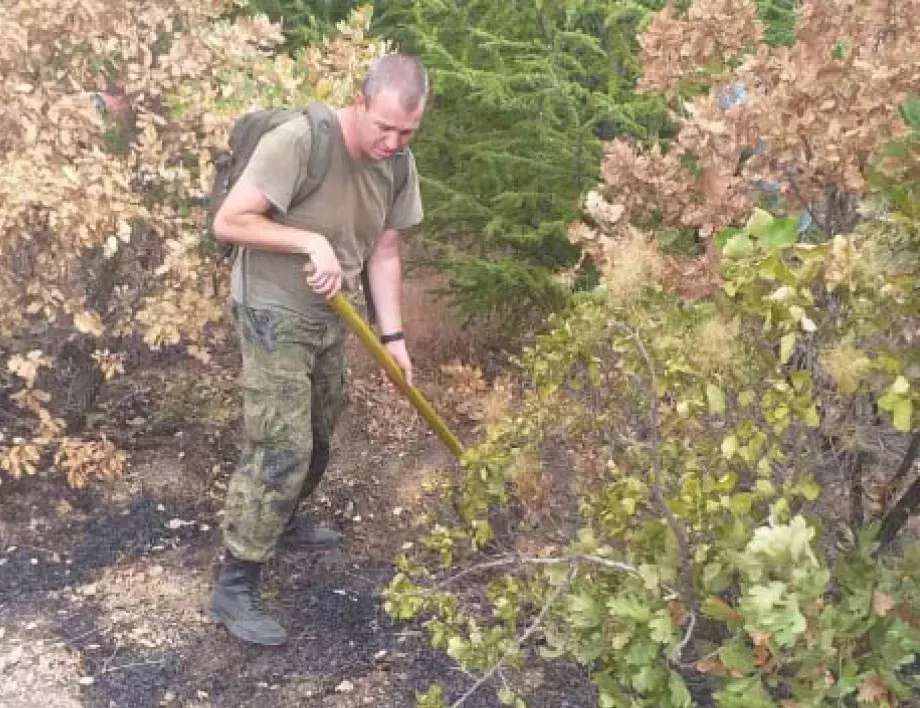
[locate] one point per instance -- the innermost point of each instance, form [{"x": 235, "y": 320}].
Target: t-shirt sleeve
[
  {"x": 407, "y": 208},
  {"x": 278, "y": 165}
]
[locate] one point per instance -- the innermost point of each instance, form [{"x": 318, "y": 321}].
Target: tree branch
[
  {"x": 531, "y": 630},
  {"x": 680, "y": 535},
  {"x": 505, "y": 561},
  {"x": 857, "y": 489},
  {"x": 913, "y": 449},
  {"x": 805, "y": 204},
  {"x": 896, "y": 518}
]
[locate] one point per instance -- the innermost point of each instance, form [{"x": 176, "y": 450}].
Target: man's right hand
[{"x": 326, "y": 278}]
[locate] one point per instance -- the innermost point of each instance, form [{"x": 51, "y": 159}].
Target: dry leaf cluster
[
  {"x": 801, "y": 121},
  {"x": 677, "y": 50}
]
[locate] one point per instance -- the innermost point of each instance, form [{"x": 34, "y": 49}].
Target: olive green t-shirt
[{"x": 352, "y": 207}]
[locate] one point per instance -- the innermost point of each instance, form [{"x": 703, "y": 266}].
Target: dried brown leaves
[
  {"x": 676, "y": 51},
  {"x": 804, "y": 119}
]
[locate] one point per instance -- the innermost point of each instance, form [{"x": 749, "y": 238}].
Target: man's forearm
[
  {"x": 261, "y": 233},
  {"x": 384, "y": 273}
]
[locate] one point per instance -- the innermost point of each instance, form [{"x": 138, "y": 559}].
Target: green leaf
[
  {"x": 764, "y": 598},
  {"x": 746, "y": 398},
  {"x": 607, "y": 700},
  {"x": 888, "y": 402},
  {"x": 744, "y": 693},
  {"x": 737, "y": 656},
  {"x": 717, "y": 609},
  {"x": 902, "y": 415},
  {"x": 629, "y": 607},
  {"x": 724, "y": 235},
  {"x": 729, "y": 447},
  {"x": 741, "y": 503},
  {"x": 774, "y": 268},
  {"x": 808, "y": 488},
  {"x": 456, "y": 648},
  {"x": 650, "y": 576},
  {"x": 764, "y": 488},
  {"x": 739, "y": 246},
  {"x": 811, "y": 417},
  {"x": 715, "y": 579},
  {"x": 759, "y": 223},
  {"x": 779, "y": 233},
  {"x": 787, "y": 346},
  {"x": 680, "y": 696},
  {"x": 716, "y": 399},
  {"x": 585, "y": 611},
  {"x": 662, "y": 631},
  {"x": 807, "y": 323},
  {"x": 901, "y": 386}
]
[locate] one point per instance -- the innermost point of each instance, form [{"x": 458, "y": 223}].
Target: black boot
[
  {"x": 300, "y": 532},
  {"x": 237, "y": 604}
]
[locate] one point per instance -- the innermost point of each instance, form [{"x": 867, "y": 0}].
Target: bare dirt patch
[{"x": 36, "y": 670}]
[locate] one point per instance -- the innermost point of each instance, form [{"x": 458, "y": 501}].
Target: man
[{"x": 292, "y": 341}]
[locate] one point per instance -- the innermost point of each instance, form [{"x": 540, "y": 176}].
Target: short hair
[{"x": 401, "y": 72}]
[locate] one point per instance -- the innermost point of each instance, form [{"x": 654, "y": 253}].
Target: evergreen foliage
[
  {"x": 524, "y": 94},
  {"x": 779, "y": 18},
  {"x": 303, "y": 21}
]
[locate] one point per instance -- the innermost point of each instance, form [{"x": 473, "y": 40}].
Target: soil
[{"x": 102, "y": 589}]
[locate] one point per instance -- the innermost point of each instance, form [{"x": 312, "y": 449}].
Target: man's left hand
[{"x": 401, "y": 354}]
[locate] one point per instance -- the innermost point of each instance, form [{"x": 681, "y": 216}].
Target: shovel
[{"x": 386, "y": 360}]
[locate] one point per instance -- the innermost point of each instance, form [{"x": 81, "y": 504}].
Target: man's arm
[
  {"x": 243, "y": 219},
  {"x": 384, "y": 274}
]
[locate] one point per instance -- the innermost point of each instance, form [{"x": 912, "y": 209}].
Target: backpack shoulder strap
[
  {"x": 320, "y": 117},
  {"x": 401, "y": 169}
]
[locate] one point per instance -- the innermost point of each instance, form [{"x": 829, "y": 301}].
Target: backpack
[{"x": 244, "y": 137}]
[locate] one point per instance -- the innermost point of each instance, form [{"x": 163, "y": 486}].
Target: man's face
[{"x": 384, "y": 126}]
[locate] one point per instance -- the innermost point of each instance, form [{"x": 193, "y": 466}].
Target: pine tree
[{"x": 525, "y": 92}]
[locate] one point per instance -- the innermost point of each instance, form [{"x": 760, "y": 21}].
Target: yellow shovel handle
[{"x": 386, "y": 360}]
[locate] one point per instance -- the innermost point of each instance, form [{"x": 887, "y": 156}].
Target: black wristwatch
[{"x": 395, "y": 337}]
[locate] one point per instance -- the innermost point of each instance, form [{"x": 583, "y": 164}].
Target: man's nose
[{"x": 392, "y": 141}]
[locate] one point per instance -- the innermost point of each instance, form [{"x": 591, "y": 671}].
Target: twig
[
  {"x": 505, "y": 561},
  {"x": 504, "y": 680},
  {"x": 896, "y": 518},
  {"x": 688, "y": 635},
  {"x": 489, "y": 565},
  {"x": 531, "y": 630},
  {"x": 84, "y": 635},
  {"x": 156, "y": 662},
  {"x": 658, "y": 495},
  {"x": 40, "y": 549},
  {"x": 906, "y": 464},
  {"x": 857, "y": 489},
  {"x": 805, "y": 205},
  {"x": 105, "y": 666}
]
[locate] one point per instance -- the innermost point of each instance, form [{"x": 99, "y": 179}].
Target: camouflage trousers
[{"x": 293, "y": 381}]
